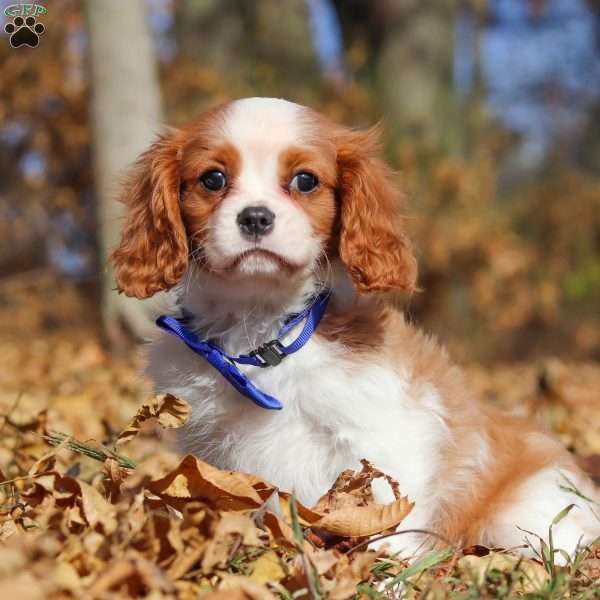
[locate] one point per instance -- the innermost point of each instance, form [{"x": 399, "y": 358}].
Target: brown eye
[
  {"x": 304, "y": 182},
  {"x": 213, "y": 181}
]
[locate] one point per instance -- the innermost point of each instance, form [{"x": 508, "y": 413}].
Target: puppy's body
[
  {"x": 386, "y": 393},
  {"x": 366, "y": 385}
]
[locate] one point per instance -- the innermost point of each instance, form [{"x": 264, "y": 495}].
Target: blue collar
[{"x": 269, "y": 354}]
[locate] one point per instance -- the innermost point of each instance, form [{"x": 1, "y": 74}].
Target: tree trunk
[
  {"x": 126, "y": 113},
  {"x": 414, "y": 70}
]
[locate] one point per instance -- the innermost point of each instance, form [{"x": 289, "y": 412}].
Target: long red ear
[
  {"x": 373, "y": 244},
  {"x": 153, "y": 252}
]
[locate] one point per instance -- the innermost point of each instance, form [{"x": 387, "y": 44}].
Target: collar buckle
[{"x": 269, "y": 354}]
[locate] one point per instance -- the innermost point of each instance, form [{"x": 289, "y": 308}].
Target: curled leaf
[
  {"x": 280, "y": 532},
  {"x": 360, "y": 521},
  {"x": 194, "y": 479},
  {"x": 348, "y": 509},
  {"x": 169, "y": 411}
]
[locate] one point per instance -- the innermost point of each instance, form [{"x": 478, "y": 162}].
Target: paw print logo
[{"x": 24, "y": 32}]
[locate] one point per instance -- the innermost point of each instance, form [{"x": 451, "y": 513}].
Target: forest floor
[{"x": 89, "y": 512}]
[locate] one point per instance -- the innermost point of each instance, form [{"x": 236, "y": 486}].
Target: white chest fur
[{"x": 337, "y": 410}]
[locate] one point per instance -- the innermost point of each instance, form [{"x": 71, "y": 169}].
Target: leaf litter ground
[{"x": 95, "y": 503}]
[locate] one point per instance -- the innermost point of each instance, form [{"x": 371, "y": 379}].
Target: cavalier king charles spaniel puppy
[{"x": 262, "y": 215}]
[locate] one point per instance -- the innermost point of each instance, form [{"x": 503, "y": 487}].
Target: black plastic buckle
[{"x": 271, "y": 354}]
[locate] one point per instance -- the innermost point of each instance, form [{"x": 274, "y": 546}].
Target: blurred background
[{"x": 491, "y": 113}]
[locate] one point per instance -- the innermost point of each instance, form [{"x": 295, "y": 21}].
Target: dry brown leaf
[
  {"x": 348, "y": 509},
  {"x": 350, "y": 572},
  {"x": 263, "y": 488},
  {"x": 361, "y": 521},
  {"x": 22, "y": 585},
  {"x": 152, "y": 467},
  {"x": 66, "y": 577},
  {"x": 267, "y": 568},
  {"x": 169, "y": 411},
  {"x": 134, "y": 571},
  {"x": 194, "y": 479},
  {"x": 115, "y": 475},
  {"x": 7, "y": 529},
  {"x": 97, "y": 510},
  {"x": 306, "y": 516},
  {"x": 325, "y": 561},
  {"x": 531, "y": 576},
  {"x": 184, "y": 561},
  {"x": 591, "y": 568},
  {"x": 236, "y": 587},
  {"x": 281, "y": 533},
  {"x": 345, "y": 587},
  {"x": 44, "y": 465},
  {"x": 476, "y": 550},
  {"x": 241, "y": 525},
  {"x": 231, "y": 531},
  {"x": 354, "y": 488}
]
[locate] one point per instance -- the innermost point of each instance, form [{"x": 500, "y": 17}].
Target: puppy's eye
[
  {"x": 213, "y": 181},
  {"x": 304, "y": 182}
]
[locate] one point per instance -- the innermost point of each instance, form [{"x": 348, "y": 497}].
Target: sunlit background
[{"x": 491, "y": 113}]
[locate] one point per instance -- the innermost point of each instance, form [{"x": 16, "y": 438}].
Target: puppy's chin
[
  {"x": 258, "y": 265},
  {"x": 263, "y": 265}
]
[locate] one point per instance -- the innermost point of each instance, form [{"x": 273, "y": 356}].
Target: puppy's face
[
  {"x": 258, "y": 191},
  {"x": 262, "y": 190}
]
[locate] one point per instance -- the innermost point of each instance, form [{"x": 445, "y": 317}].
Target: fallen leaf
[
  {"x": 232, "y": 529},
  {"x": 281, "y": 532},
  {"x": 133, "y": 570},
  {"x": 169, "y": 411},
  {"x": 350, "y": 573},
  {"x": 66, "y": 577},
  {"x": 324, "y": 561},
  {"x": 529, "y": 576},
  {"x": 7, "y": 529},
  {"x": 194, "y": 479},
  {"x": 97, "y": 510},
  {"x": 236, "y": 587},
  {"x": 476, "y": 550},
  {"x": 361, "y": 521},
  {"x": 22, "y": 585},
  {"x": 354, "y": 488},
  {"x": 352, "y": 520},
  {"x": 267, "y": 568}
]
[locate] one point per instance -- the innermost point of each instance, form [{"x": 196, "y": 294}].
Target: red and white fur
[{"x": 367, "y": 385}]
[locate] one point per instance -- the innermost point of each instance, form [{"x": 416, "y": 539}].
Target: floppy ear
[
  {"x": 153, "y": 252},
  {"x": 372, "y": 244}
]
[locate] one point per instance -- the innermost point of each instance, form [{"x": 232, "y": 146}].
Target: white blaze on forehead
[
  {"x": 260, "y": 125},
  {"x": 261, "y": 129}
]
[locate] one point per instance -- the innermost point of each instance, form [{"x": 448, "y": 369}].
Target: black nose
[{"x": 256, "y": 220}]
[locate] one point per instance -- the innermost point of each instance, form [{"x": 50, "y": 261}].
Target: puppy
[{"x": 263, "y": 215}]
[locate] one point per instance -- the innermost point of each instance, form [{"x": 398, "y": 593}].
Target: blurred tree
[
  {"x": 406, "y": 48},
  {"x": 44, "y": 154},
  {"x": 126, "y": 113},
  {"x": 503, "y": 279},
  {"x": 253, "y": 48}
]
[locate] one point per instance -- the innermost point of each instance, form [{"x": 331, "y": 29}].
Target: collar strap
[{"x": 269, "y": 354}]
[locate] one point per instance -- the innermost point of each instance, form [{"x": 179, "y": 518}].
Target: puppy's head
[{"x": 261, "y": 189}]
